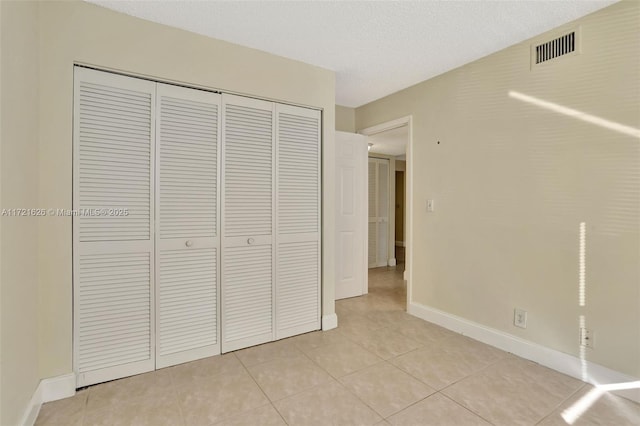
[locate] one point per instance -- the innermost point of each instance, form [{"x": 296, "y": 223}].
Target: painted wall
[
  {"x": 345, "y": 119},
  {"x": 85, "y": 33},
  {"x": 18, "y": 189},
  {"x": 514, "y": 180}
]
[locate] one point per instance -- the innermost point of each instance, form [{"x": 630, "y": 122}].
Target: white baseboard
[
  {"x": 570, "y": 365},
  {"x": 329, "y": 322},
  {"x": 50, "y": 389},
  {"x": 392, "y": 262}
]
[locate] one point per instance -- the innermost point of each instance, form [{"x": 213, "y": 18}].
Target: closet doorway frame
[{"x": 75, "y": 199}]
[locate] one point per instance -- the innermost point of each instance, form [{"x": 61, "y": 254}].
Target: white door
[
  {"x": 113, "y": 192},
  {"x": 351, "y": 215},
  {"x": 187, "y": 225},
  {"x": 297, "y": 291},
  {"x": 378, "y": 232},
  {"x": 248, "y": 207}
]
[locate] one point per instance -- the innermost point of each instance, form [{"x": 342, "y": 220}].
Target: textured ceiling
[{"x": 375, "y": 47}]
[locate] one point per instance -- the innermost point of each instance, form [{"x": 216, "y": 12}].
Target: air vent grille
[{"x": 555, "y": 48}]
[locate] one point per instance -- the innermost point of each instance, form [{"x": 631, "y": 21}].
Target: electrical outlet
[
  {"x": 587, "y": 338},
  {"x": 520, "y": 318}
]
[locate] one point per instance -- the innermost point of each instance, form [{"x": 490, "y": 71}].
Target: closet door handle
[
  {"x": 188, "y": 243},
  {"x": 250, "y": 241}
]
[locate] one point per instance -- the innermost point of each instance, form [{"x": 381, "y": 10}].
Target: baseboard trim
[
  {"x": 570, "y": 365},
  {"x": 329, "y": 322},
  {"x": 50, "y": 389}
]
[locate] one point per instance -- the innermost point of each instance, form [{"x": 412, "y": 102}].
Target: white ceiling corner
[{"x": 375, "y": 47}]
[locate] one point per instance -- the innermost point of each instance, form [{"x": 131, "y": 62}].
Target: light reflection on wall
[{"x": 612, "y": 125}]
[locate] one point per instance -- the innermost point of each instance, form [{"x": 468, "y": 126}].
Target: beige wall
[
  {"x": 18, "y": 189},
  {"x": 345, "y": 119},
  {"x": 80, "y": 32},
  {"x": 513, "y": 181}
]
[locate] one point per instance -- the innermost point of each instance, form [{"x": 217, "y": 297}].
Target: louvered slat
[
  {"x": 297, "y": 287},
  {"x": 298, "y": 174},
  {"x": 188, "y": 137},
  {"x": 114, "y": 318},
  {"x": 248, "y": 171},
  {"x": 247, "y": 296},
  {"x": 111, "y": 177},
  {"x": 187, "y": 306}
]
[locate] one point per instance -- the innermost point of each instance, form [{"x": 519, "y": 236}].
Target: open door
[{"x": 351, "y": 215}]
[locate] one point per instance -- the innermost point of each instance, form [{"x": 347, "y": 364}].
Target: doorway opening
[{"x": 390, "y": 143}]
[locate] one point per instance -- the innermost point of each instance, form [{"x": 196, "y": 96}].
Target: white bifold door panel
[
  {"x": 351, "y": 215},
  {"x": 113, "y": 193},
  {"x": 187, "y": 224},
  {"x": 297, "y": 291},
  {"x": 248, "y": 174},
  {"x": 378, "y": 212}
]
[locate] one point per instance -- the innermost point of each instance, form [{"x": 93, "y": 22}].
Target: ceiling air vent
[{"x": 555, "y": 48}]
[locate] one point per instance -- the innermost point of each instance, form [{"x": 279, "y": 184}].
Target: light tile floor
[{"x": 380, "y": 367}]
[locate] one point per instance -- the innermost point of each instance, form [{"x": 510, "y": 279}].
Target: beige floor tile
[
  {"x": 356, "y": 325},
  {"x": 436, "y": 410},
  {"x": 285, "y": 377},
  {"x": 282, "y": 349},
  {"x": 328, "y": 404},
  {"x": 423, "y": 331},
  {"x": 342, "y": 310},
  {"x": 262, "y": 416},
  {"x": 452, "y": 359},
  {"x": 513, "y": 391},
  {"x": 151, "y": 411},
  {"x": 343, "y": 358},
  {"x": 204, "y": 368},
  {"x": 156, "y": 384},
  {"x": 312, "y": 341},
  {"x": 391, "y": 318},
  {"x": 68, "y": 412},
  {"x": 385, "y": 388},
  {"x": 207, "y": 401},
  {"x": 385, "y": 342},
  {"x": 591, "y": 407}
]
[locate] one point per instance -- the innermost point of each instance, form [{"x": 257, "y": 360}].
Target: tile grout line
[
  {"x": 463, "y": 407},
  {"x": 260, "y": 387},
  {"x": 175, "y": 391},
  {"x": 553, "y": 410}
]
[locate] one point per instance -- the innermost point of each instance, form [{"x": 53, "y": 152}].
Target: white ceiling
[
  {"x": 392, "y": 142},
  {"x": 375, "y": 47}
]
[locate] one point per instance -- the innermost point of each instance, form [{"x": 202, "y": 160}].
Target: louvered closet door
[
  {"x": 247, "y": 222},
  {"x": 298, "y": 220},
  {"x": 378, "y": 212},
  {"x": 187, "y": 226},
  {"x": 373, "y": 213},
  {"x": 113, "y": 235}
]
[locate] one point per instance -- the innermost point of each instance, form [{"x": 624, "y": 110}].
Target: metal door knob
[{"x": 188, "y": 243}]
